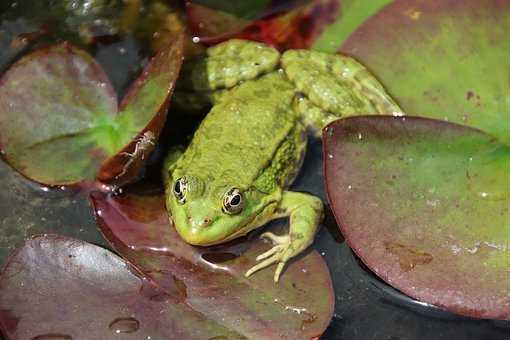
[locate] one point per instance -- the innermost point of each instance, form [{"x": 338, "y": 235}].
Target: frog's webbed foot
[
  {"x": 281, "y": 252},
  {"x": 305, "y": 212}
]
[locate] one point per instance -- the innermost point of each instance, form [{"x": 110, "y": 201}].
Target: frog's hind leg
[
  {"x": 224, "y": 66},
  {"x": 305, "y": 212},
  {"x": 333, "y": 86}
]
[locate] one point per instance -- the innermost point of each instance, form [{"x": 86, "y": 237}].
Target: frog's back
[{"x": 239, "y": 138}]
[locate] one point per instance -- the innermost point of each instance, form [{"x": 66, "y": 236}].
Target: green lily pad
[
  {"x": 352, "y": 14},
  {"x": 59, "y": 120},
  {"x": 300, "y": 306},
  {"x": 447, "y": 60},
  {"x": 425, "y": 205}
]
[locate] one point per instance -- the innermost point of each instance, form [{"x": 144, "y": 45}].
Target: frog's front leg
[{"x": 305, "y": 212}]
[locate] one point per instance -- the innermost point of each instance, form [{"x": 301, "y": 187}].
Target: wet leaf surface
[
  {"x": 57, "y": 108},
  {"x": 86, "y": 292},
  {"x": 424, "y": 204},
  {"x": 446, "y": 60},
  {"x": 211, "y": 279}
]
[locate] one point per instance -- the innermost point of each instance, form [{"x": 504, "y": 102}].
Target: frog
[{"x": 236, "y": 172}]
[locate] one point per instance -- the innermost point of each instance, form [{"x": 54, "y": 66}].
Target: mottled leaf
[
  {"x": 62, "y": 288},
  {"x": 58, "y": 114},
  {"x": 443, "y": 59},
  {"x": 299, "y": 306},
  {"x": 425, "y": 205}
]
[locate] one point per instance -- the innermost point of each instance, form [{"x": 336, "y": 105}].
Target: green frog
[{"x": 235, "y": 174}]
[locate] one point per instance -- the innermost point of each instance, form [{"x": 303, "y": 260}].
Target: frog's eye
[
  {"x": 180, "y": 187},
  {"x": 233, "y": 202}
]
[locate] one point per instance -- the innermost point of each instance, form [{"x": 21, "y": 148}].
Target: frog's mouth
[{"x": 253, "y": 222}]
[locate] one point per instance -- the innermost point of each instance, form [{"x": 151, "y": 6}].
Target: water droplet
[
  {"x": 360, "y": 136},
  {"x": 330, "y": 156},
  {"x": 122, "y": 50},
  {"x": 124, "y": 325},
  {"x": 196, "y": 40},
  {"x": 52, "y": 336},
  {"x": 484, "y": 194}
]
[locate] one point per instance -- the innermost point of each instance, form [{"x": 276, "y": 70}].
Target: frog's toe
[{"x": 280, "y": 253}]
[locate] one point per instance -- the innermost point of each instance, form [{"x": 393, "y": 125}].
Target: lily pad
[
  {"x": 300, "y": 306},
  {"x": 425, "y": 205},
  {"x": 282, "y": 24},
  {"x": 446, "y": 60},
  {"x": 59, "y": 121},
  {"x": 62, "y": 288}
]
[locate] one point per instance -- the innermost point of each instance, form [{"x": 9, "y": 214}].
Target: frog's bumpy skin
[
  {"x": 337, "y": 84},
  {"x": 227, "y": 64}
]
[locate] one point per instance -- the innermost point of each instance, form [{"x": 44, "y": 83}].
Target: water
[{"x": 124, "y": 325}]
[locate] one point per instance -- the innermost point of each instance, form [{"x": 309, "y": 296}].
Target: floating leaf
[
  {"x": 62, "y": 288},
  {"x": 443, "y": 59},
  {"x": 283, "y": 24},
  {"x": 59, "y": 121},
  {"x": 425, "y": 205},
  {"x": 299, "y": 306},
  {"x": 352, "y": 14}
]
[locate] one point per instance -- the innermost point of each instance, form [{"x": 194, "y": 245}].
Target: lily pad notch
[{"x": 60, "y": 123}]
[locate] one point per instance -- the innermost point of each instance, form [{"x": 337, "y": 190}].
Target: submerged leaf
[
  {"x": 425, "y": 205},
  {"x": 300, "y": 306},
  {"x": 61, "y": 288},
  {"x": 58, "y": 113}
]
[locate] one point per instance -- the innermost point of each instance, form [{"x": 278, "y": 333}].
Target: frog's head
[{"x": 212, "y": 213}]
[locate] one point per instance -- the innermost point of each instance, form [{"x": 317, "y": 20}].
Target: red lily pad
[
  {"x": 425, "y": 205},
  {"x": 59, "y": 121},
  {"x": 61, "y": 288},
  {"x": 281, "y": 24},
  {"x": 442, "y": 59},
  {"x": 300, "y": 306}
]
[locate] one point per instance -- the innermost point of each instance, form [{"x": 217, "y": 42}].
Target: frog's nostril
[{"x": 206, "y": 222}]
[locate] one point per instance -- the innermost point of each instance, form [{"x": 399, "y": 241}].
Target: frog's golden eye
[
  {"x": 233, "y": 202},
  {"x": 180, "y": 188}
]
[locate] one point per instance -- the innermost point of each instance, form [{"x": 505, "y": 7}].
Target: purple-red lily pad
[
  {"x": 442, "y": 59},
  {"x": 425, "y": 205},
  {"x": 300, "y": 306},
  {"x": 282, "y": 24},
  {"x": 59, "y": 120},
  {"x": 61, "y": 288}
]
